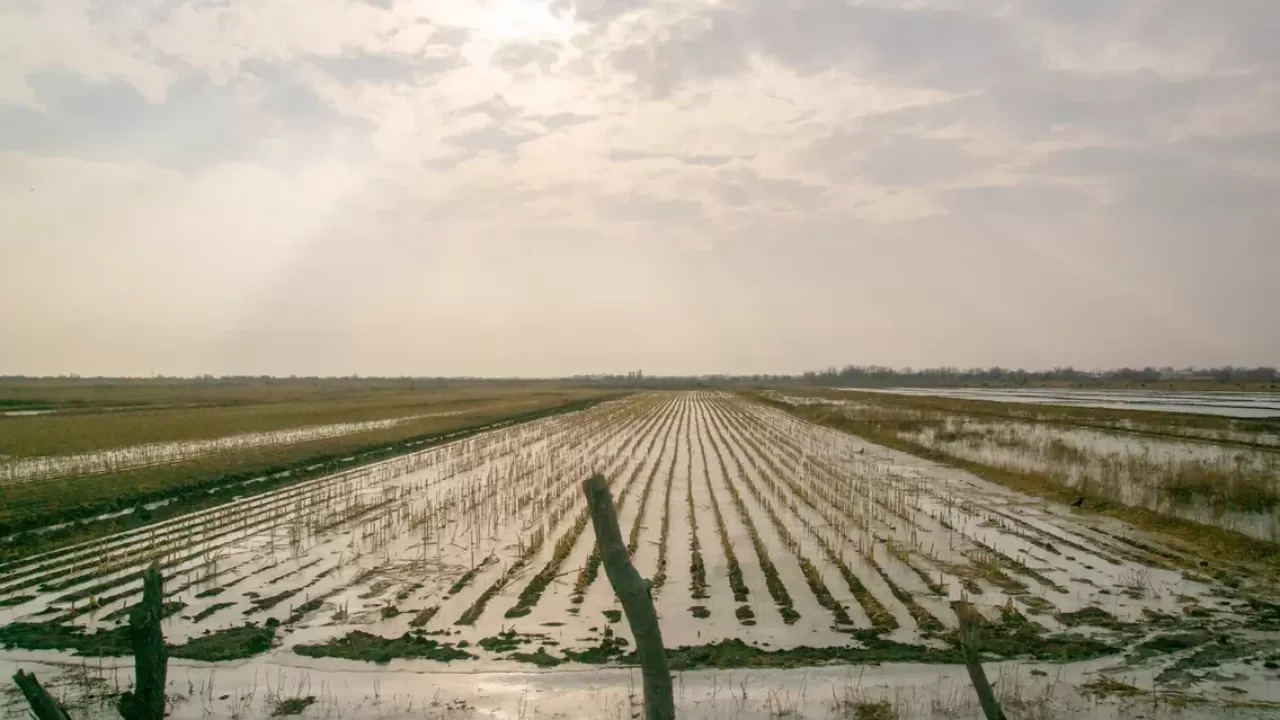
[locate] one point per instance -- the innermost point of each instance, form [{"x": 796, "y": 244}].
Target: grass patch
[
  {"x": 57, "y": 635},
  {"x": 1017, "y": 636},
  {"x": 209, "y": 611},
  {"x": 424, "y": 617},
  {"x": 235, "y": 643},
  {"x": 358, "y": 645},
  {"x": 266, "y": 603},
  {"x": 1036, "y": 605},
  {"x": 508, "y": 640},
  {"x": 406, "y": 592},
  {"x": 540, "y": 657},
  {"x": 230, "y": 644},
  {"x": 468, "y": 576},
  {"x": 862, "y": 709},
  {"x": 1005, "y": 641},
  {"x": 735, "y": 653},
  {"x": 16, "y": 600},
  {"x": 1014, "y": 637},
  {"x": 697, "y": 570},
  {"x": 1092, "y": 616},
  {"x": 307, "y": 607},
  {"x": 292, "y": 706},
  {"x": 1169, "y": 643},
  {"x": 166, "y": 610},
  {"x": 1104, "y": 686},
  {"x": 611, "y": 648}
]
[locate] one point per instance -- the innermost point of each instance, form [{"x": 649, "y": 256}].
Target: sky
[{"x": 550, "y": 187}]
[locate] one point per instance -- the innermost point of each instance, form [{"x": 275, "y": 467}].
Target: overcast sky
[{"x": 534, "y": 187}]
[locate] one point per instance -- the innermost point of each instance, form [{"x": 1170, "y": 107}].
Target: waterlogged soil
[
  {"x": 51, "y": 531},
  {"x": 870, "y": 545}
]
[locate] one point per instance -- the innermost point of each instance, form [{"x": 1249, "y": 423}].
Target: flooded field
[
  {"x": 1233, "y": 488},
  {"x": 1226, "y": 476},
  {"x": 1228, "y": 404},
  {"x": 770, "y": 543}
]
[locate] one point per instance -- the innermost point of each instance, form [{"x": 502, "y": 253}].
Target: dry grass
[
  {"x": 95, "y": 416},
  {"x": 1240, "y": 477},
  {"x": 858, "y": 702},
  {"x": 36, "y": 504},
  {"x": 894, "y": 425},
  {"x": 1247, "y": 432},
  {"x": 869, "y": 710}
]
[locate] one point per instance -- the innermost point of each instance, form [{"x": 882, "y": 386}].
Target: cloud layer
[{"x": 542, "y": 188}]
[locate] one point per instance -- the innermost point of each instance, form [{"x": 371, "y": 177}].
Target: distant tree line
[
  {"x": 881, "y": 376},
  {"x": 849, "y": 375},
  {"x": 874, "y": 375}
]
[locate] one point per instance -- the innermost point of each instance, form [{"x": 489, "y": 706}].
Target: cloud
[
  {"x": 918, "y": 45},
  {"x": 689, "y": 159},
  {"x": 370, "y": 67},
  {"x": 38, "y": 38},
  {"x": 598, "y": 11},
  {"x": 909, "y": 161},
  {"x": 727, "y": 185},
  {"x": 515, "y": 56},
  {"x": 745, "y": 186},
  {"x": 563, "y": 119},
  {"x": 269, "y": 111},
  {"x": 490, "y": 138}
]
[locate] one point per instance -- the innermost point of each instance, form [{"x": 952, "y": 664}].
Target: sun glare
[{"x": 522, "y": 20}]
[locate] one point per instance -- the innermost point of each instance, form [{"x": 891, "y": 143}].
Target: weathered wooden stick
[
  {"x": 43, "y": 706},
  {"x": 978, "y": 676},
  {"x": 633, "y": 592},
  {"x": 150, "y": 656}
]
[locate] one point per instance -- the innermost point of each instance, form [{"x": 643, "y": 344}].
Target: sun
[{"x": 522, "y": 20}]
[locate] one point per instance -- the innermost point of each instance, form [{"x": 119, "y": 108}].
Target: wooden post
[
  {"x": 43, "y": 706},
  {"x": 150, "y": 656},
  {"x": 633, "y": 592},
  {"x": 986, "y": 696}
]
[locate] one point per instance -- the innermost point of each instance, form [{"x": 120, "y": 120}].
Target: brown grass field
[{"x": 101, "y": 415}]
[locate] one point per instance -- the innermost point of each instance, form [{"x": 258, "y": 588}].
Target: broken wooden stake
[
  {"x": 150, "y": 656},
  {"x": 978, "y": 676},
  {"x": 633, "y": 591},
  {"x": 43, "y": 706}
]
